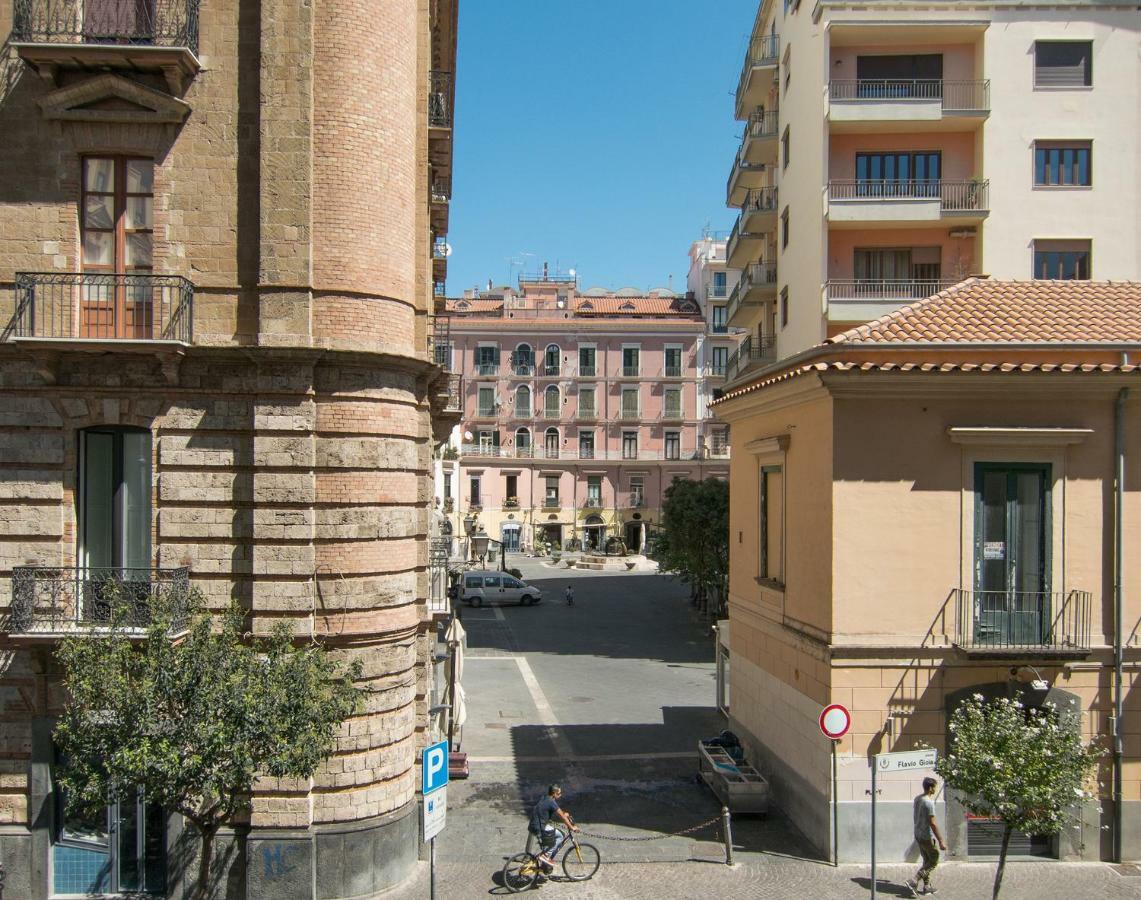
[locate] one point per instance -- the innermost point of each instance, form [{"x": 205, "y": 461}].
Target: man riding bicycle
[{"x": 550, "y": 838}]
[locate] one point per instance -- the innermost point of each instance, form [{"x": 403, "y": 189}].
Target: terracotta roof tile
[{"x": 980, "y": 310}]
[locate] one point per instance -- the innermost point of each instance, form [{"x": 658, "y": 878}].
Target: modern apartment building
[
  {"x": 217, "y": 231},
  {"x": 940, "y": 503},
  {"x": 891, "y": 149},
  {"x": 579, "y": 410},
  {"x": 712, "y": 280}
]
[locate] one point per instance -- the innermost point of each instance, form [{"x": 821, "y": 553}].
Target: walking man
[
  {"x": 569, "y": 594},
  {"x": 926, "y": 835}
]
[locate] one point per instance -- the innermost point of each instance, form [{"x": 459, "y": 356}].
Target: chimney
[{"x": 544, "y": 271}]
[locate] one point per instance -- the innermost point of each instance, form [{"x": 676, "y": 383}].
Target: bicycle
[{"x": 579, "y": 861}]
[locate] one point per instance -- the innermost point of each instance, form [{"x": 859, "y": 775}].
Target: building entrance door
[
  {"x": 1012, "y": 534},
  {"x": 509, "y": 535}
]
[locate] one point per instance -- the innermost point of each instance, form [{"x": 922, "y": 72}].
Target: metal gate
[{"x": 984, "y": 839}]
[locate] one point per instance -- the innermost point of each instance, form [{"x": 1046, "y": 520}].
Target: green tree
[
  {"x": 194, "y": 720},
  {"x": 695, "y": 539},
  {"x": 1025, "y": 766}
]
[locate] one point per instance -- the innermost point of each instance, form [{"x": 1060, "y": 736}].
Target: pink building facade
[{"x": 579, "y": 410}]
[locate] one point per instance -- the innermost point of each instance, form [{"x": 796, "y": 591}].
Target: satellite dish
[
  {"x": 447, "y": 250},
  {"x": 468, "y": 436},
  {"x": 571, "y": 272}
]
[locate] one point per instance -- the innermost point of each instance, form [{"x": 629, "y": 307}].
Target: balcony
[
  {"x": 744, "y": 246},
  {"x": 552, "y": 414},
  {"x": 140, "y": 311},
  {"x": 860, "y": 300},
  {"x": 487, "y": 369},
  {"x": 551, "y": 502},
  {"x": 50, "y": 602},
  {"x": 593, "y": 501},
  {"x": 759, "y": 147},
  {"x": 631, "y": 372},
  {"x": 453, "y": 389},
  {"x": 511, "y": 503},
  {"x": 858, "y": 105},
  {"x": 759, "y": 210},
  {"x": 671, "y": 414},
  {"x": 758, "y": 73},
  {"x": 441, "y": 92},
  {"x": 487, "y": 412},
  {"x": 587, "y": 414},
  {"x": 757, "y": 285},
  {"x": 522, "y": 370},
  {"x": 629, "y": 415},
  {"x": 754, "y": 352},
  {"x": 636, "y": 500},
  {"x": 440, "y": 197},
  {"x": 158, "y": 36},
  {"x": 715, "y": 292},
  {"x": 521, "y": 413},
  {"x": 1002, "y": 624},
  {"x": 548, "y": 453},
  {"x": 587, "y": 372},
  {"x": 855, "y": 204},
  {"x": 672, "y": 372}
]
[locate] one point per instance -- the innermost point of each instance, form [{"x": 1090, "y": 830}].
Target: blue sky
[{"x": 593, "y": 134}]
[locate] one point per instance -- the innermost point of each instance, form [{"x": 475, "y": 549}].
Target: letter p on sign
[{"x": 434, "y": 767}]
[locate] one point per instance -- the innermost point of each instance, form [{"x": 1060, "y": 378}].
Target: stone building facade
[{"x": 217, "y": 224}]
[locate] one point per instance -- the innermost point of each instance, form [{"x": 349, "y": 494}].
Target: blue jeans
[{"x": 551, "y": 839}]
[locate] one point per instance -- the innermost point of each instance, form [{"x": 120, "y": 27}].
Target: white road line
[
  {"x": 543, "y": 707},
  {"x": 604, "y": 757},
  {"x": 498, "y": 613}
]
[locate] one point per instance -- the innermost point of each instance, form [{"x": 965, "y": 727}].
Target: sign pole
[
  {"x": 875, "y": 766},
  {"x": 432, "y": 867},
  {"x": 835, "y": 812}
]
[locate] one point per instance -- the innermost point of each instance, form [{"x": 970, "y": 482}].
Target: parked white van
[{"x": 481, "y": 588}]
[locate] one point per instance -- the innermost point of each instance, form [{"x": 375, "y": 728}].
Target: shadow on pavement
[
  {"x": 625, "y": 616},
  {"x": 888, "y": 888},
  {"x": 640, "y": 798}
]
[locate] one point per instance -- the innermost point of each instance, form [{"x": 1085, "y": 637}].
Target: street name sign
[
  {"x": 435, "y": 812},
  {"x": 906, "y": 762}
]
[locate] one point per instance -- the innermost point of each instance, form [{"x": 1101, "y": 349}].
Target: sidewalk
[{"x": 775, "y": 878}]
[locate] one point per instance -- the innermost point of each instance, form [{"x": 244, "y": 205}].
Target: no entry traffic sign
[{"x": 835, "y": 720}]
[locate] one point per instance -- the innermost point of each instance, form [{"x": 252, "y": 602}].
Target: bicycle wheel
[
  {"x": 520, "y": 872},
  {"x": 581, "y": 861}
]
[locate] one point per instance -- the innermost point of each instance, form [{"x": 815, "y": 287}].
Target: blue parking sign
[{"x": 434, "y": 767}]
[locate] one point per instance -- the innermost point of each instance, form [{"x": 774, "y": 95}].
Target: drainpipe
[{"x": 1118, "y": 612}]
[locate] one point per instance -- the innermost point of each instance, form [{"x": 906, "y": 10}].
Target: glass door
[{"x": 1012, "y": 534}]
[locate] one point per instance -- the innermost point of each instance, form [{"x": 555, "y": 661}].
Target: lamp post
[{"x": 479, "y": 546}]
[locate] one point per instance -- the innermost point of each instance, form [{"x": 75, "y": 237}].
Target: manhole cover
[
  {"x": 511, "y": 714},
  {"x": 502, "y": 725}
]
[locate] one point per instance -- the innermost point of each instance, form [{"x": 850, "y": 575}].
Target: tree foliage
[
  {"x": 1024, "y": 765},
  {"x": 193, "y": 721},
  {"x": 695, "y": 539}
]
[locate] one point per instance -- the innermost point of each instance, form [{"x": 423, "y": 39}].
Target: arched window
[
  {"x": 551, "y": 360},
  {"x": 551, "y": 443},
  {"x": 522, "y": 442},
  {"x": 523, "y": 360},
  {"x": 551, "y": 402},
  {"x": 523, "y": 402}
]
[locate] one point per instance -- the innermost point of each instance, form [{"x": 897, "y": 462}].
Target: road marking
[
  {"x": 543, "y": 707},
  {"x": 605, "y": 757},
  {"x": 498, "y": 613}
]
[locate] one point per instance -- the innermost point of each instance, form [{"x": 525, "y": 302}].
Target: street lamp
[{"x": 479, "y": 546}]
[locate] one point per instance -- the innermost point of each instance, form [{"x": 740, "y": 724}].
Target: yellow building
[{"x": 924, "y": 507}]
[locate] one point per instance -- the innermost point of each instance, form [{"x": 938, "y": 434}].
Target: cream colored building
[
  {"x": 924, "y": 507},
  {"x": 892, "y": 148},
  {"x": 219, "y": 232}
]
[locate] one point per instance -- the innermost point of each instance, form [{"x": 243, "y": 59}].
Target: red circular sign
[{"x": 835, "y": 720}]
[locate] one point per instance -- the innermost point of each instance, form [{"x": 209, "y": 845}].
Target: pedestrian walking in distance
[
  {"x": 927, "y": 834},
  {"x": 569, "y": 594}
]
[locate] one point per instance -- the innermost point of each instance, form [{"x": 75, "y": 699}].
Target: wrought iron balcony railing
[
  {"x": 455, "y": 389},
  {"x": 955, "y": 96},
  {"x": 158, "y": 23},
  {"x": 953, "y": 196},
  {"x": 1023, "y": 622},
  {"x": 752, "y": 351},
  {"x": 440, "y": 93},
  {"x": 636, "y": 500},
  {"x": 56, "y": 601},
  {"x": 103, "y": 306}
]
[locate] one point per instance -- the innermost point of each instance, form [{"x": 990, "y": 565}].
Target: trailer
[{"x": 736, "y": 784}]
